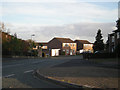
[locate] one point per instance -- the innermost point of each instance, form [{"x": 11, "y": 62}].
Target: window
[
  {"x": 73, "y": 50},
  {"x": 66, "y": 45},
  {"x": 113, "y": 49},
  {"x": 118, "y": 35},
  {"x": 63, "y": 44},
  {"x": 74, "y": 44},
  {"x": 44, "y": 47},
  {"x": 63, "y": 50},
  {"x": 6, "y": 36},
  {"x": 113, "y": 39},
  {"x": 67, "y": 51}
]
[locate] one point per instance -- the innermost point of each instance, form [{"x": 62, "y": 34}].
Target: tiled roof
[
  {"x": 64, "y": 40},
  {"x": 116, "y": 30},
  {"x": 112, "y": 34},
  {"x": 83, "y": 41}
]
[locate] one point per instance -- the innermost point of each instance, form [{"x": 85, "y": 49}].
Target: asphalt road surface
[{"x": 18, "y": 73}]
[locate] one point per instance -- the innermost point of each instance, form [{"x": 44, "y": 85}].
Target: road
[{"x": 18, "y": 73}]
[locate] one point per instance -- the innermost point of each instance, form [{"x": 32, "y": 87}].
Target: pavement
[{"x": 84, "y": 73}]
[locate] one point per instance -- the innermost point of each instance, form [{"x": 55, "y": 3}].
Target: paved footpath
[{"x": 84, "y": 73}]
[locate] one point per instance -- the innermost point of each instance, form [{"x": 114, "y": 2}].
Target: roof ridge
[
  {"x": 61, "y": 38},
  {"x": 82, "y": 40}
]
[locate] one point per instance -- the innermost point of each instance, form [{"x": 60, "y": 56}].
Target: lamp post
[
  {"x": 31, "y": 42},
  {"x": 32, "y": 36}
]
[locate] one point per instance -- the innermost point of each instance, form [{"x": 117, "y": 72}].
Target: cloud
[
  {"x": 86, "y": 31},
  {"x": 60, "y": 1},
  {"x": 57, "y": 13},
  {"x": 58, "y": 19}
]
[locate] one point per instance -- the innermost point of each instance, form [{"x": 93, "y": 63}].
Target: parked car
[{"x": 99, "y": 52}]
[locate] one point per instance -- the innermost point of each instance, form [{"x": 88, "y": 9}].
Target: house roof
[
  {"x": 116, "y": 30},
  {"x": 83, "y": 41},
  {"x": 112, "y": 34},
  {"x": 64, "y": 40}
]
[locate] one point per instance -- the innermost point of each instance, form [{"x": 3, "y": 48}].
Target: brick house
[
  {"x": 84, "y": 46},
  {"x": 62, "y": 46},
  {"x": 6, "y": 36},
  {"x": 114, "y": 40},
  {"x": 42, "y": 48}
]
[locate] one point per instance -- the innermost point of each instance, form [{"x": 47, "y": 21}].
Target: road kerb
[{"x": 64, "y": 84}]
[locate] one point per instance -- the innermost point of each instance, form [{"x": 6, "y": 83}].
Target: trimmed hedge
[{"x": 99, "y": 55}]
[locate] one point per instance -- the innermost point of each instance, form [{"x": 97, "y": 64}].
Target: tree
[
  {"x": 118, "y": 24},
  {"x": 98, "y": 44},
  {"x": 32, "y": 44},
  {"x": 40, "y": 50}
]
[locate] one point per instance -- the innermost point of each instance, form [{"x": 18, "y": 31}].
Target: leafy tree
[
  {"x": 16, "y": 45},
  {"x": 98, "y": 44},
  {"x": 40, "y": 50},
  {"x": 6, "y": 47},
  {"x": 32, "y": 44}
]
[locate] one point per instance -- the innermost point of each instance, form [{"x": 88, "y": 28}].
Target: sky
[{"x": 75, "y": 19}]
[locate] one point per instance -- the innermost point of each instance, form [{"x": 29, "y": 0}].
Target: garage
[{"x": 55, "y": 52}]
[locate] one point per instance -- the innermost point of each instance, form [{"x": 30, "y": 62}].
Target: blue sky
[
  {"x": 23, "y": 16},
  {"x": 59, "y": 13}
]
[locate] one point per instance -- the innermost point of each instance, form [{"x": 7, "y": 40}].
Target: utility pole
[{"x": 31, "y": 42}]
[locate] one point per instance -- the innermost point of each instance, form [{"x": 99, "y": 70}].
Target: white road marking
[
  {"x": 89, "y": 86},
  {"x": 7, "y": 66},
  {"x": 9, "y": 75},
  {"x": 28, "y": 71}
]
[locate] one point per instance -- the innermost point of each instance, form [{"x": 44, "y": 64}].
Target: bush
[
  {"x": 62, "y": 53},
  {"x": 98, "y": 55}
]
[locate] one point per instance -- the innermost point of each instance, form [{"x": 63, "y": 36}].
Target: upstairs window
[
  {"x": 118, "y": 35},
  {"x": 44, "y": 47},
  {"x": 6, "y": 36},
  {"x": 113, "y": 39},
  {"x": 74, "y": 44},
  {"x": 66, "y": 45}
]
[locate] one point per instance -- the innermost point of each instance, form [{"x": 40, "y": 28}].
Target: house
[
  {"x": 114, "y": 40},
  {"x": 42, "y": 45},
  {"x": 6, "y": 36},
  {"x": 84, "y": 46},
  {"x": 62, "y": 46},
  {"x": 0, "y": 37},
  {"x": 42, "y": 48}
]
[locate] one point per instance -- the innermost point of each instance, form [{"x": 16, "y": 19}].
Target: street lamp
[
  {"x": 32, "y": 35},
  {"x": 31, "y": 42}
]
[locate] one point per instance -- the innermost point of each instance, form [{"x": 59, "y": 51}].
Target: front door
[{"x": 71, "y": 52}]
